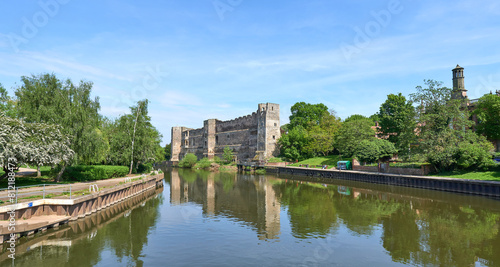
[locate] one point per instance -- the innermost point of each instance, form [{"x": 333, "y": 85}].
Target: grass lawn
[
  {"x": 473, "y": 175},
  {"x": 331, "y": 161}
]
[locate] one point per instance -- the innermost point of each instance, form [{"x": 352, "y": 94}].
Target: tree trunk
[
  {"x": 59, "y": 175},
  {"x": 38, "y": 172},
  {"x": 133, "y": 138}
]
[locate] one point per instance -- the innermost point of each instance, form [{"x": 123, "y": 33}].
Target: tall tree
[
  {"x": 46, "y": 99},
  {"x": 351, "y": 134},
  {"x": 7, "y": 104},
  {"x": 488, "y": 116},
  {"x": 444, "y": 131},
  {"x": 305, "y": 114},
  {"x": 146, "y": 140},
  {"x": 321, "y": 137},
  {"x": 397, "y": 122}
]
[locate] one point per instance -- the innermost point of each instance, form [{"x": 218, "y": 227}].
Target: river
[{"x": 226, "y": 219}]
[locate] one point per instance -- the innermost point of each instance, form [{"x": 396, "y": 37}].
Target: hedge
[{"x": 91, "y": 173}]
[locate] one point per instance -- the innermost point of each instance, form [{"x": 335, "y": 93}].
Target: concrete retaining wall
[{"x": 79, "y": 207}]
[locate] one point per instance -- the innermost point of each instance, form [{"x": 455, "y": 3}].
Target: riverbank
[{"x": 466, "y": 186}]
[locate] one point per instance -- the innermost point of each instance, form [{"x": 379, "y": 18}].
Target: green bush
[
  {"x": 91, "y": 173},
  {"x": 144, "y": 168},
  {"x": 188, "y": 161},
  {"x": 217, "y": 160},
  {"x": 204, "y": 163}
]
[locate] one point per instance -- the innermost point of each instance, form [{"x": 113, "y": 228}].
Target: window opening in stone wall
[
  {"x": 272, "y": 108},
  {"x": 274, "y": 137},
  {"x": 275, "y": 124}
]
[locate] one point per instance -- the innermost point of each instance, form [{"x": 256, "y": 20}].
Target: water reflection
[
  {"x": 445, "y": 231},
  {"x": 227, "y": 219},
  {"x": 119, "y": 232},
  {"x": 247, "y": 198}
]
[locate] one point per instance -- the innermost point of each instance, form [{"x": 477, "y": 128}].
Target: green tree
[
  {"x": 292, "y": 144},
  {"x": 227, "y": 155},
  {"x": 355, "y": 117},
  {"x": 488, "y": 116},
  {"x": 188, "y": 161},
  {"x": 373, "y": 150},
  {"x": 305, "y": 114},
  {"x": 7, "y": 104},
  {"x": 321, "y": 137},
  {"x": 146, "y": 148},
  {"x": 351, "y": 134},
  {"x": 46, "y": 99},
  {"x": 444, "y": 130},
  {"x": 397, "y": 121},
  {"x": 168, "y": 151}
]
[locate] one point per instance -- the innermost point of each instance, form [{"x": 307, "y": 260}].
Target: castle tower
[
  {"x": 268, "y": 116},
  {"x": 176, "y": 143},
  {"x": 209, "y": 146},
  {"x": 459, "y": 91}
]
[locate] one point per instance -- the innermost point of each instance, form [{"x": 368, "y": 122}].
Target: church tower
[{"x": 459, "y": 91}]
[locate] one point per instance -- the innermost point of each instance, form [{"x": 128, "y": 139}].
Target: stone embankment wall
[
  {"x": 423, "y": 170},
  {"x": 251, "y": 137},
  {"x": 475, "y": 187}
]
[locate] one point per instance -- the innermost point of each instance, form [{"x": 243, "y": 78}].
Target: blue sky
[{"x": 202, "y": 59}]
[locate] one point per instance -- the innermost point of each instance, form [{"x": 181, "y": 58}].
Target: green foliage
[
  {"x": 168, "y": 151},
  {"x": 397, "y": 122},
  {"x": 488, "y": 116},
  {"x": 292, "y": 145},
  {"x": 204, "y": 163},
  {"x": 304, "y": 114},
  {"x": 94, "y": 172},
  {"x": 367, "y": 151},
  {"x": 374, "y": 149},
  {"x": 217, "y": 160},
  {"x": 227, "y": 155},
  {"x": 46, "y": 99},
  {"x": 146, "y": 140},
  {"x": 350, "y": 135},
  {"x": 274, "y": 160},
  {"x": 355, "y": 117},
  {"x": 7, "y": 104},
  {"x": 145, "y": 167},
  {"x": 311, "y": 132},
  {"x": 188, "y": 161},
  {"x": 445, "y": 136}
]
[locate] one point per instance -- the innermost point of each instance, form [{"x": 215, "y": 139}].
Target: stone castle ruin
[{"x": 252, "y": 138}]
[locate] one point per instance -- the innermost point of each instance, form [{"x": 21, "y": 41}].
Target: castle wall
[{"x": 252, "y": 137}]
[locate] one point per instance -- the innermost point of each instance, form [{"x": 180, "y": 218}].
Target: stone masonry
[{"x": 252, "y": 138}]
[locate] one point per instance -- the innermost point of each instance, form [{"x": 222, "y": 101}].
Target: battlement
[{"x": 251, "y": 136}]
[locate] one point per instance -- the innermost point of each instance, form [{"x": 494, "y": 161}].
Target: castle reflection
[{"x": 247, "y": 198}]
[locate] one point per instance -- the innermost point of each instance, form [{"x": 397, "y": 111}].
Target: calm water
[{"x": 220, "y": 219}]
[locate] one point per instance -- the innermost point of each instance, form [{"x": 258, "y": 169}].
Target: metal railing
[{"x": 44, "y": 190}]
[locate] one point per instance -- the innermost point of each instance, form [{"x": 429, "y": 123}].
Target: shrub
[
  {"x": 204, "y": 163},
  {"x": 188, "y": 161},
  {"x": 146, "y": 167},
  {"x": 227, "y": 155},
  {"x": 217, "y": 160},
  {"x": 90, "y": 173}
]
